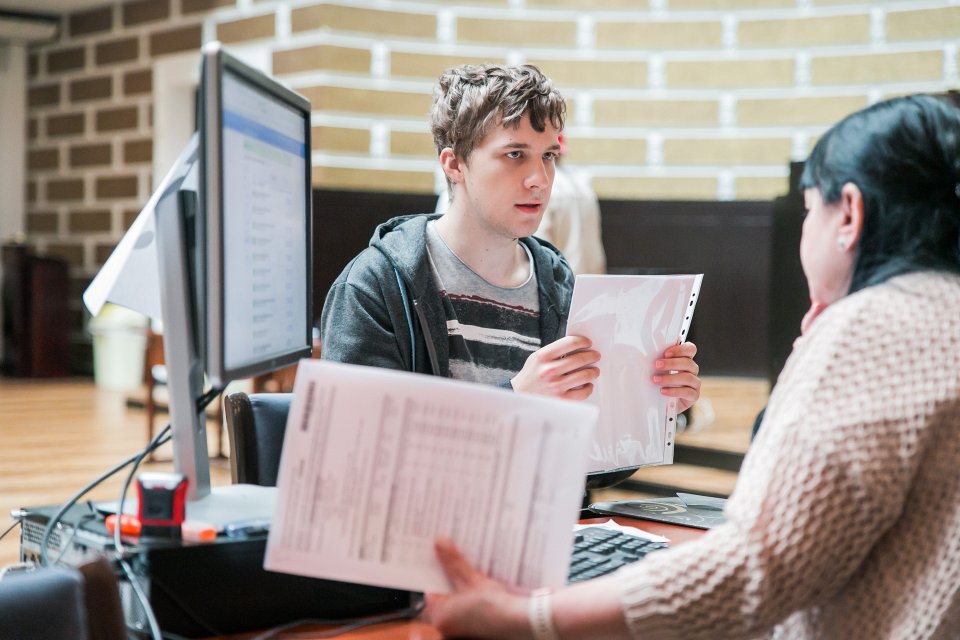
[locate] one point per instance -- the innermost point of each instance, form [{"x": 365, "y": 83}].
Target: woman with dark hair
[{"x": 845, "y": 522}]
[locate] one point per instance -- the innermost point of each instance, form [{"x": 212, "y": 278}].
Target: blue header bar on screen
[{"x": 253, "y": 129}]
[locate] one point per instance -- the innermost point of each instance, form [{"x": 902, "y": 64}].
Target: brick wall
[{"x": 685, "y": 99}]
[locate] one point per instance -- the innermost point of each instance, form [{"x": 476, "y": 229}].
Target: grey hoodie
[{"x": 369, "y": 318}]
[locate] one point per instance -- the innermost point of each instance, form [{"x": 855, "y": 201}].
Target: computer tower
[{"x": 204, "y": 589}]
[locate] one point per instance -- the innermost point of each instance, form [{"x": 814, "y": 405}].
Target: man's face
[{"x": 508, "y": 177}]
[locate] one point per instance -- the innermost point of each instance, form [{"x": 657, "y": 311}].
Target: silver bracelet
[{"x": 541, "y": 619}]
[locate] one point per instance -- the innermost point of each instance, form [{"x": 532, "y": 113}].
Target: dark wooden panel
[
  {"x": 729, "y": 242},
  {"x": 343, "y": 225}
]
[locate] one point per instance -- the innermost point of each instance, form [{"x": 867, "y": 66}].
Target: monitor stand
[{"x": 222, "y": 506}]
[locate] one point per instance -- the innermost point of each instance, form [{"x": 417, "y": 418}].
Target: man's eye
[
  {"x": 550, "y": 155},
  {"x": 514, "y": 154}
]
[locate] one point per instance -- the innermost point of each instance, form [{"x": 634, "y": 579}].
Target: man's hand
[
  {"x": 676, "y": 373},
  {"x": 562, "y": 369}
]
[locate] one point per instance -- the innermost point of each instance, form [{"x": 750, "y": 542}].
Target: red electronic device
[{"x": 162, "y": 503}]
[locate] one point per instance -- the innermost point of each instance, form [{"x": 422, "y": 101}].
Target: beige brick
[
  {"x": 410, "y": 143},
  {"x": 395, "y": 103},
  {"x": 39, "y": 159},
  {"x": 373, "y": 180},
  {"x": 140, "y": 11},
  {"x": 198, "y": 6},
  {"x": 553, "y": 33},
  {"x": 707, "y": 5},
  {"x": 394, "y": 23},
  {"x": 634, "y": 5},
  {"x": 116, "y": 187},
  {"x": 66, "y": 59},
  {"x": 42, "y": 222},
  {"x": 137, "y": 151},
  {"x": 91, "y": 89},
  {"x": 43, "y": 95},
  {"x": 656, "y": 188},
  {"x": 89, "y": 221},
  {"x": 657, "y": 35},
  {"x": 71, "y": 252},
  {"x": 719, "y": 74},
  {"x": 882, "y": 67},
  {"x": 755, "y": 188},
  {"x": 247, "y": 29},
  {"x": 657, "y": 113},
  {"x": 322, "y": 57},
  {"x": 612, "y": 151},
  {"x": 174, "y": 40},
  {"x": 923, "y": 24},
  {"x": 65, "y": 125},
  {"x": 88, "y": 155},
  {"x": 135, "y": 82},
  {"x": 631, "y": 74},
  {"x": 341, "y": 139},
  {"x": 117, "y": 119},
  {"x": 119, "y": 50},
  {"x": 797, "y": 111},
  {"x": 804, "y": 32},
  {"x": 429, "y": 66},
  {"x": 727, "y": 151},
  {"x": 93, "y": 21},
  {"x": 66, "y": 189}
]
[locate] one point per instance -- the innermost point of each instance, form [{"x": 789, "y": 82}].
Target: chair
[
  {"x": 255, "y": 428},
  {"x": 62, "y": 602}
]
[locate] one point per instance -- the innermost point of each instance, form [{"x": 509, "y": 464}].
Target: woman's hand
[
  {"x": 562, "y": 369},
  {"x": 479, "y": 606},
  {"x": 676, "y": 373}
]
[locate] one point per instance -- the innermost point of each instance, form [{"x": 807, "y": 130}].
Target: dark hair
[
  {"x": 470, "y": 99},
  {"x": 904, "y": 156}
]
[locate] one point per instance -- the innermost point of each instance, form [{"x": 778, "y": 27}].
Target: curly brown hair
[{"x": 470, "y": 99}]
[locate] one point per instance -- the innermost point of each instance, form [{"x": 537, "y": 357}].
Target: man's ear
[
  {"x": 851, "y": 206},
  {"x": 452, "y": 166}
]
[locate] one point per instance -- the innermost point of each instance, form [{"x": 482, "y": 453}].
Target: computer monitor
[{"x": 234, "y": 232}]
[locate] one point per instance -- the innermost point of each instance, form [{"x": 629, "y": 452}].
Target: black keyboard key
[{"x": 598, "y": 551}]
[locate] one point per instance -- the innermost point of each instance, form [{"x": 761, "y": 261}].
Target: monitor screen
[{"x": 256, "y": 214}]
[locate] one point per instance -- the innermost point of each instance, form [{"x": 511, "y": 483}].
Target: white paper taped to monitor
[{"x": 631, "y": 321}]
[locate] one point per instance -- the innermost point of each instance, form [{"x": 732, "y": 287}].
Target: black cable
[
  {"x": 155, "y": 633},
  {"x": 10, "y": 528},
  {"x": 202, "y": 403},
  {"x": 160, "y": 439}
]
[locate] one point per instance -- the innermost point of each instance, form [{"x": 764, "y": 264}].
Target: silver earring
[{"x": 842, "y": 244}]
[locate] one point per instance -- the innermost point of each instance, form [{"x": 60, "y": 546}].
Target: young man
[{"x": 472, "y": 294}]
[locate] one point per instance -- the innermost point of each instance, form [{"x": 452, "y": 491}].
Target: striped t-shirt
[{"x": 491, "y": 330}]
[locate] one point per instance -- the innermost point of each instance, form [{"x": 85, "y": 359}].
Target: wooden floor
[{"x": 55, "y": 437}]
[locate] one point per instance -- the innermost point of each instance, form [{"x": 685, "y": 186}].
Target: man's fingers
[
  {"x": 685, "y": 350},
  {"x": 564, "y": 346},
  {"x": 677, "y": 364},
  {"x": 678, "y": 380}
]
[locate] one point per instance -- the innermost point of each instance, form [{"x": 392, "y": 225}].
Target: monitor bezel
[{"x": 216, "y": 64}]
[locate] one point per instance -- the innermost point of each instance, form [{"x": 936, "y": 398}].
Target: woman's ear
[
  {"x": 851, "y": 207},
  {"x": 451, "y": 165}
]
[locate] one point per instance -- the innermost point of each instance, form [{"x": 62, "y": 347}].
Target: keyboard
[{"x": 598, "y": 551}]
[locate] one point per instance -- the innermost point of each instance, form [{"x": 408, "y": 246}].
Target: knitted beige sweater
[{"x": 845, "y": 521}]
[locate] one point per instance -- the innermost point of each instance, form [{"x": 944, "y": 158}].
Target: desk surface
[{"x": 416, "y": 630}]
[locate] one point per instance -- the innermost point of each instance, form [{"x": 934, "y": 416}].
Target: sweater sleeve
[{"x": 826, "y": 476}]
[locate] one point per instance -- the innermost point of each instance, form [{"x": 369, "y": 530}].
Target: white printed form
[
  {"x": 631, "y": 320},
  {"x": 377, "y": 464}
]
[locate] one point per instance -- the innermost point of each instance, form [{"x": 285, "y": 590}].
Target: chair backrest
[
  {"x": 43, "y": 603},
  {"x": 255, "y": 426}
]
